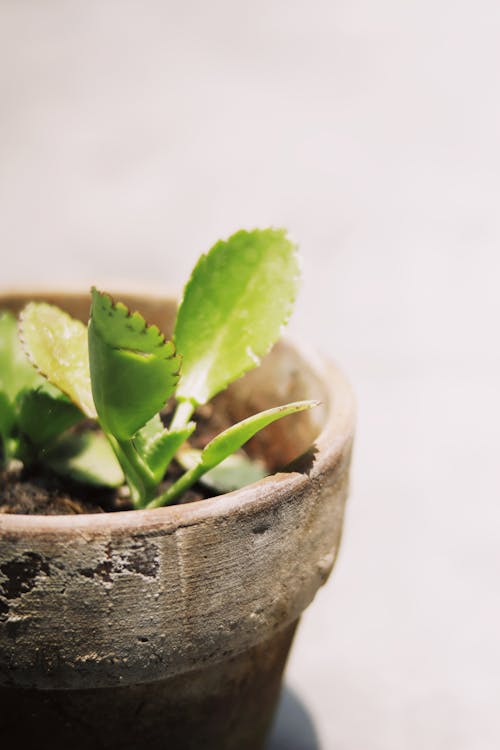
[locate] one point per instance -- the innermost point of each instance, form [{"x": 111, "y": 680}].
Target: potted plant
[{"x": 167, "y": 625}]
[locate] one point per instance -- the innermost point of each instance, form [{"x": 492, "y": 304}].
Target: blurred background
[{"x": 134, "y": 134}]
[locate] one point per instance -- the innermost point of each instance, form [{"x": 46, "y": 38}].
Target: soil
[
  {"x": 48, "y": 495},
  {"x": 40, "y": 493}
]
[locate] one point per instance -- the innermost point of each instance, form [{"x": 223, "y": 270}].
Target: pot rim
[{"x": 337, "y": 432}]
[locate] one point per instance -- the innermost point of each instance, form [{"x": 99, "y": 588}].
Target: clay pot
[{"x": 170, "y": 628}]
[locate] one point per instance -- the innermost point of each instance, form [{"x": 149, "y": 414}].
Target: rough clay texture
[
  {"x": 227, "y": 708},
  {"x": 162, "y": 596}
]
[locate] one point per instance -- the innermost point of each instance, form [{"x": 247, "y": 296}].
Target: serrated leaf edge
[
  {"x": 122, "y": 307},
  {"x": 90, "y": 414},
  {"x": 202, "y": 260}
]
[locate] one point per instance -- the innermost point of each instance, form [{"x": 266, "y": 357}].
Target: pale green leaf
[
  {"x": 147, "y": 435},
  {"x": 57, "y": 344},
  {"x": 134, "y": 370},
  {"x": 234, "y": 306},
  {"x": 16, "y": 371},
  {"x": 85, "y": 457},
  {"x": 234, "y": 472},
  {"x": 157, "y": 446}
]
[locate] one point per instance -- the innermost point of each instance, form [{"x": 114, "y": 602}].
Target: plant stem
[
  {"x": 177, "y": 488},
  {"x": 182, "y": 415},
  {"x": 139, "y": 478}
]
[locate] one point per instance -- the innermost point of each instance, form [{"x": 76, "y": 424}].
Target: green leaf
[
  {"x": 157, "y": 446},
  {"x": 234, "y": 437},
  {"x": 85, "y": 457},
  {"x": 133, "y": 369},
  {"x": 7, "y": 415},
  {"x": 16, "y": 371},
  {"x": 234, "y": 306},
  {"x": 147, "y": 435},
  {"x": 224, "y": 445},
  {"x": 234, "y": 472},
  {"x": 45, "y": 413},
  {"x": 57, "y": 344},
  {"x": 7, "y": 422}
]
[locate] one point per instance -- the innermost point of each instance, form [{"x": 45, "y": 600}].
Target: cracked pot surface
[{"x": 166, "y": 596}]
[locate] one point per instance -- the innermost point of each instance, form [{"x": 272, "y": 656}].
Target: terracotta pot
[{"x": 170, "y": 628}]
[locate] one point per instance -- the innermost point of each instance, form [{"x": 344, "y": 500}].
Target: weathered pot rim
[{"x": 337, "y": 432}]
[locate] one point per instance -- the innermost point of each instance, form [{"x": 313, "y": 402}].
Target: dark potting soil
[
  {"x": 48, "y": 495},
  {"x": 41, "y": 493}
]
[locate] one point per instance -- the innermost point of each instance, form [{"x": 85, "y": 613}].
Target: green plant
[
  {"x": 119, "y": 372},
  {"x": 35, "y": 418}
]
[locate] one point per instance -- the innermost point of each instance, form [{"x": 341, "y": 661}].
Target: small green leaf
[
  {"x": 234, "y": 437},
  {"x": 45, "y": 413},
  {"x": 151, "y": 431},
  {"x": 85, "y": 457},
  {"x": 133, "y": 369},
  {"x": 57, "y": 344},
  {"x": 235, "y": 304},
  {"x": 224, "y": 445},
  {"x": 157, "y": 446},
  {"x": 16, "y": 371},
  {"x": 234, "y": 472}
]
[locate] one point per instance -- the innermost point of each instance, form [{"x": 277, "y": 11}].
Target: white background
[{"x": 134, "y": 134}]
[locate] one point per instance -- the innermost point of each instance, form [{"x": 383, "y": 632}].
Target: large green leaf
[
  {"x": 85, "y": 457},
  {"x": 134, "y": 370},
  {"x": 45, "y": 413},
  {"x": 57, "y": 344},
  {"x": 224, "y": 445},
  {"x": 234, "y": 306},
  {"x": 157, "y": 446},
  {"x": 16, "y": 371}
]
